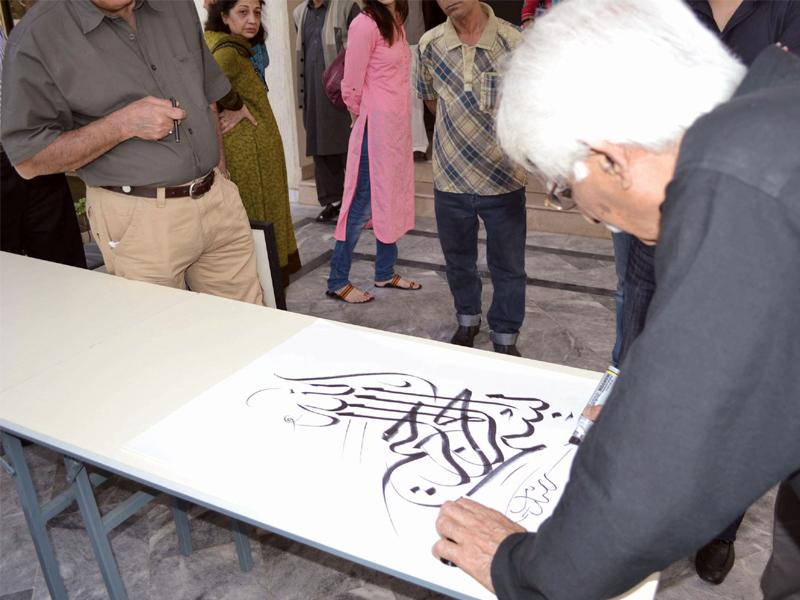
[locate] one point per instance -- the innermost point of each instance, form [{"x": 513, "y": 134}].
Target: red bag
[{"x": 332, "y": 80}]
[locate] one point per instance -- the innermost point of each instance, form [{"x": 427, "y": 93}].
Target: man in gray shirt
[
  {"x": 660, "y": 132},
  {"x": 98, "y": 98}
]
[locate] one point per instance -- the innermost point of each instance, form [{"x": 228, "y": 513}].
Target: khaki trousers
[{"x": 205, "y": 242}]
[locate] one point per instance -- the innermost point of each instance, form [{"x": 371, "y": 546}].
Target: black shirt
[
  {"x": 755, "y": 25},
  {"x": 705, "y": 418}
]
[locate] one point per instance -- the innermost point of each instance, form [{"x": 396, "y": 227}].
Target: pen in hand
[{"x": 175, "y": 122}]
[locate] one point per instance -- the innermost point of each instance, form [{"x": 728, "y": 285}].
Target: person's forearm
[
  {"x": 149, "y": 119},
  {"x": 431, "y": 104},
  {"x": 74, "y": 149}
]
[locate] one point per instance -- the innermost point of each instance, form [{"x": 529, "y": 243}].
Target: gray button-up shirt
[{"x": 69, "y": 64}]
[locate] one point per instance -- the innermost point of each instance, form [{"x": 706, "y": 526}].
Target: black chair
[{"x": 268, "y": 264}]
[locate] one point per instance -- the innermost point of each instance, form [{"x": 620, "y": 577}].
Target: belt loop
[{"x": 161, "y": 200}]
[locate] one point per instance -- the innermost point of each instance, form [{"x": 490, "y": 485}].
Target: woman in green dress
[{"x": 253, "y": 146}]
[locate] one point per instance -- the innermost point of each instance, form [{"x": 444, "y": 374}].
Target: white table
[{"x": 89, "y": 361}]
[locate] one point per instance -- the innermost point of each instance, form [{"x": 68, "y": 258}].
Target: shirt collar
[
  {"x": 737, "y": 17},
  {"x": 323, "y": 5},
  {"x": 90, "y": 16},
  {"x": 488, "y": 37}
]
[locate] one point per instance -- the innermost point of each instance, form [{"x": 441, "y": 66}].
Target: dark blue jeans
[
  {"x": 505, "y": 220},
  {"x": 358, "y": 215},
  {"x": 622, "y": 244}
]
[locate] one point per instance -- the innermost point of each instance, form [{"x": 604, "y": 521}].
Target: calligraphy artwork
[
  {"x": 437, "y": 446},
  {"x": 351, "y": 441}
]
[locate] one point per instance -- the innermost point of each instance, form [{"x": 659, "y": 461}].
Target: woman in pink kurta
[{"x": 379, "y": 186}]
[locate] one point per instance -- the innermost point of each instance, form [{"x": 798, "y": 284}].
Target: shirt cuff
[{"x": 504, "y": 577}]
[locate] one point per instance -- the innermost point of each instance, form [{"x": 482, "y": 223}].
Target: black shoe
[
  {"x": 329, "y": 213},
  {"x": 465, "y": 335},
  {"x": 714, "y": 561},
  {"x": 510, "y": 349}
]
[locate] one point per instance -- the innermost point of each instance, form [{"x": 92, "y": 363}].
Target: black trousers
[
  {"x": 329, "y": 177},
  {"x": 781, "y": 580},
  {"x": 37, "y": 217}
]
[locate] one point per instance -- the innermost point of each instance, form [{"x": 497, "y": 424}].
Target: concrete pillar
[{"x": 280, "y": 80}]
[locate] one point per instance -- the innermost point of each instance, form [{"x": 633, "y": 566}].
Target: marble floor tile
[
  {"x": 677, "y": 572},
  {"x": 18, "y": 560},
  {"x": 559, "y": 346},
  {"x": 10, "y": 508},
  {"x": 405, "y": 590},
  {"x": 580, "y": 243},
  {"x": 206, "y": 527},
  {"x": 298, "y": 572},
  {"x": 368, "y": 592},
  {"x": 23, "y": 595},
  {"x": 587, "y": 320},
  {"x": 742, "y": 583},
  {"x": 755, "y": 532},
  {"x": 135, "y": 580},
  {"x": 130, "y": 544},
  {"x": 209, "y": 574}
]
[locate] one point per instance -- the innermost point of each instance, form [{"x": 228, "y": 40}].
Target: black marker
[
  {"x": 175, "y": 122},
  {"x": 598, "y": 398}
]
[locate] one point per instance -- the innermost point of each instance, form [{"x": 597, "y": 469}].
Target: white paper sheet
[{"x": 353, "y": 440}]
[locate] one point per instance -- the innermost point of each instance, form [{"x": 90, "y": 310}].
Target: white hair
[{"x": 630, "y": 72}]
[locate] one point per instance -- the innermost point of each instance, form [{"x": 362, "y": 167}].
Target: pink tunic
[{"x": 376, "y": 88}]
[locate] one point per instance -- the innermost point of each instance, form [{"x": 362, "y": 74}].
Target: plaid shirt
[{"x": 465, "y": 80}]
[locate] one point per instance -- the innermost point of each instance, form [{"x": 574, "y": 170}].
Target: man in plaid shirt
[{"x": 457, "y": 74}]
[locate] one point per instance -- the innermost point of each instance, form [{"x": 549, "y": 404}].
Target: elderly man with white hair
[{"x": 659, "y": 131}]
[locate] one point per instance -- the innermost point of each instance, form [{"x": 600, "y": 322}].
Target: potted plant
[{"x": 83, "y": 220}]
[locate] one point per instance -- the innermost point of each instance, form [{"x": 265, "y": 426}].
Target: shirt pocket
[
  {"x": 487, "y": 100},
  {"x": 190, "y": 70}
]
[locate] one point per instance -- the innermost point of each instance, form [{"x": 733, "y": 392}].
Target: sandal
[
  {"x": 393, "y": 284},
  {"x": 343, "y": 295}
]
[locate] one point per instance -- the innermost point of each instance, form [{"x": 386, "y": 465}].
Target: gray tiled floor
[{"x": 570, "y": 320}]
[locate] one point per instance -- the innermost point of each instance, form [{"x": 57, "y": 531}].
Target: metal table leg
[
  {"x": 242, "y": 545},
  {"x": 76, "y": 475},
  {"x": 37, "y": 524}
]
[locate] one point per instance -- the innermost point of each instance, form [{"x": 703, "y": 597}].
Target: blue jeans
[
  {"x": 357, "y": 217},
  {"x": 505, "y": 220},
  {"x": 622, "y": 243}
]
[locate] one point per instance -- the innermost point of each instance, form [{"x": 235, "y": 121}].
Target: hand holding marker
[{"x": 598, "y": 398}]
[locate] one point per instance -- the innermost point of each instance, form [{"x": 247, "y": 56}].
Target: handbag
[{"x": 332, "y": 80}]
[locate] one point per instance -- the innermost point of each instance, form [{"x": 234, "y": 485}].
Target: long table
[{"x": 89, "y": 361}]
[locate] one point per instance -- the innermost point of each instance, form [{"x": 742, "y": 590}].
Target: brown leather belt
[{"x": 194, "y": 190}]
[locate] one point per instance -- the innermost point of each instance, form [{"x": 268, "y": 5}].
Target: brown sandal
[
  {"x": 393, "y": 284},
  {"x": 343, "y": 295}
]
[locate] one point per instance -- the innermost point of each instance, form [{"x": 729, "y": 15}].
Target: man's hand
[
  {"x": 228, "y": 119},
  {"x": 149, "y": 118},
  {"x": 526, "y": 24},
  {"x": 592, "y": 412},
  {"x": 471, "y": 534}
]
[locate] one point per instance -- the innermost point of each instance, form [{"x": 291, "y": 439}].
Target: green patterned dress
[{"x": 255, "y": 154}]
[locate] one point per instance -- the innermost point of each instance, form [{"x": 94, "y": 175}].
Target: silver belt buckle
[{"x": 192, "y": 192}]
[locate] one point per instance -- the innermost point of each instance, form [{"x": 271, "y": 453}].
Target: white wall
[{"x": 280, "y": 80}]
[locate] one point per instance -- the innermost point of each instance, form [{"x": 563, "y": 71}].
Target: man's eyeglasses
[{"x": 561, "y": 200}]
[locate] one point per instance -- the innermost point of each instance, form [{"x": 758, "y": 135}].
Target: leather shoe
[
  {"x": 714, "y": 561},
  {"x": 465, "y": 335},
  {"x": 511, "y": 349},
  {"x": 329, "y": 213}
]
